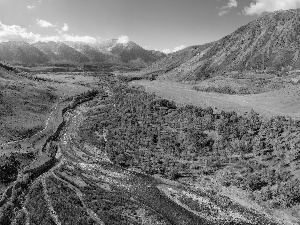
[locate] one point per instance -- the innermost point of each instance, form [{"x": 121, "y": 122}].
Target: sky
[{"x": 164, "y": 25}]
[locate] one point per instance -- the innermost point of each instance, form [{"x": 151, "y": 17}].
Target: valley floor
[
  {"x": 73, "y": 181},
  {"x": 283, "y": 102},
  {"x": 80, "y": 175}
]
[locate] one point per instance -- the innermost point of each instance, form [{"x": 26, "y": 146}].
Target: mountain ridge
[
  {"x": 270, "y": 42},
  {"x": 18, "y": 52}
]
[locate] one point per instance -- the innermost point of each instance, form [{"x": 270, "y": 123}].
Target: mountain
[
  {"x": 128, "y": 51},
  {"x": 77, "y": 52},
  {"x": 93, "y": 54},
  {"x": 61, "y": 52},
  {"x": 172, "y": 62},
  {"x": 270, "y": 42},
  {"x": 21, "y": 52}
]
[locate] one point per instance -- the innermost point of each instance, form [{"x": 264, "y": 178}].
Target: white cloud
[
  {"x": 76, "y": 38},
  {"x": 31, "y": 6},
  {"x": 65, "y": 27},
  {"x": 39, "y": 1},
  {"x": 167, "y": 51},
  {"x": 177, "y": 48},
  {"x": 225, "y": 9},
  {"x": 123, "y": 39},
  {"x": 16, "y": 33},
  {"x": 44, "y": 23},
  {"x": 259, "y": 6},
  {"x": 66, "y": 37}
]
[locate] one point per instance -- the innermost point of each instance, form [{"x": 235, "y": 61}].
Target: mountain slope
[
  {"x": 61, "y": 52},
  {"x": 270, "y": 42},
  {"x": 128, "y": 52},
  {"x": 21, "y": 52},
  {"x": 93, "y": 54},
  {"x": 77, "y": 52},
  {"x": 173, "y": 61}
]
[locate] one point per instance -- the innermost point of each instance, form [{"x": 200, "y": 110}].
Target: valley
[
  {"x": 107, "y": 132},
  {"x": 73, "y": 180}
]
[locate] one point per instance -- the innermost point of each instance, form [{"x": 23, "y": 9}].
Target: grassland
[{"x": 282, "y": 102}]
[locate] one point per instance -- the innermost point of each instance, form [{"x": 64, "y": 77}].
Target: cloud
[
  {"x": 76, "y": 38},
  {"x": 259, "y": 6},
  {"x": 31, "y": 6},
  {"x": 16, "y": 33},
  {"x": 177, "y": 48},
  {"x": 65, "y": 27},
  {"x": 167, "y": 51},
  {"x": 225, "y": 9},
  {"x": 43, "y": 23},
  {"x": 123, "y": 39},
  {"x": 66, "y": 37}
]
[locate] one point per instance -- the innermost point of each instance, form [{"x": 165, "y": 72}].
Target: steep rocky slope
[{"x": 270, "y": 42}]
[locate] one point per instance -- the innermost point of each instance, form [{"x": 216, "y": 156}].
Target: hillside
[
  {"x": 21, "y": 52},
  {"x": 93, "y": 54},
  {"x": 128, "y": 51},
  {"x": 173, "y": 61},
  {"x": 24, "y": 104},
  {"x": 61, "y": 52},
  {"x": 270, "y": 42}
]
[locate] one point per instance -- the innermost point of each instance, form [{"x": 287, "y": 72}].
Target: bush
[{"x": 9, "y": 170}]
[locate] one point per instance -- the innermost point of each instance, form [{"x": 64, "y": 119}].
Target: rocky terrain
[{"x": 269, "y": 43}]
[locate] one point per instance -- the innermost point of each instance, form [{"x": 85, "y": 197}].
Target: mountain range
[
  {"x": 18, "y": 52},
  {"x": 272, "y": 42}
]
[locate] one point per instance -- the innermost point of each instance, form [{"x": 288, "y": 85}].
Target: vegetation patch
[{"x": 155, "y": 136}]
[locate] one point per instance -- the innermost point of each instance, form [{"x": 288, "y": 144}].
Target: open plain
[{"x": 283, "y": 102}]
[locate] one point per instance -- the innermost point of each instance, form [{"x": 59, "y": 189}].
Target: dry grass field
[
  {"x": 282, "y": 102},
  {"x": 28, "y": 104}
]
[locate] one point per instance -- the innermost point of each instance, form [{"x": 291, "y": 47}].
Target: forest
[{"x": 153, "y": 135}]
